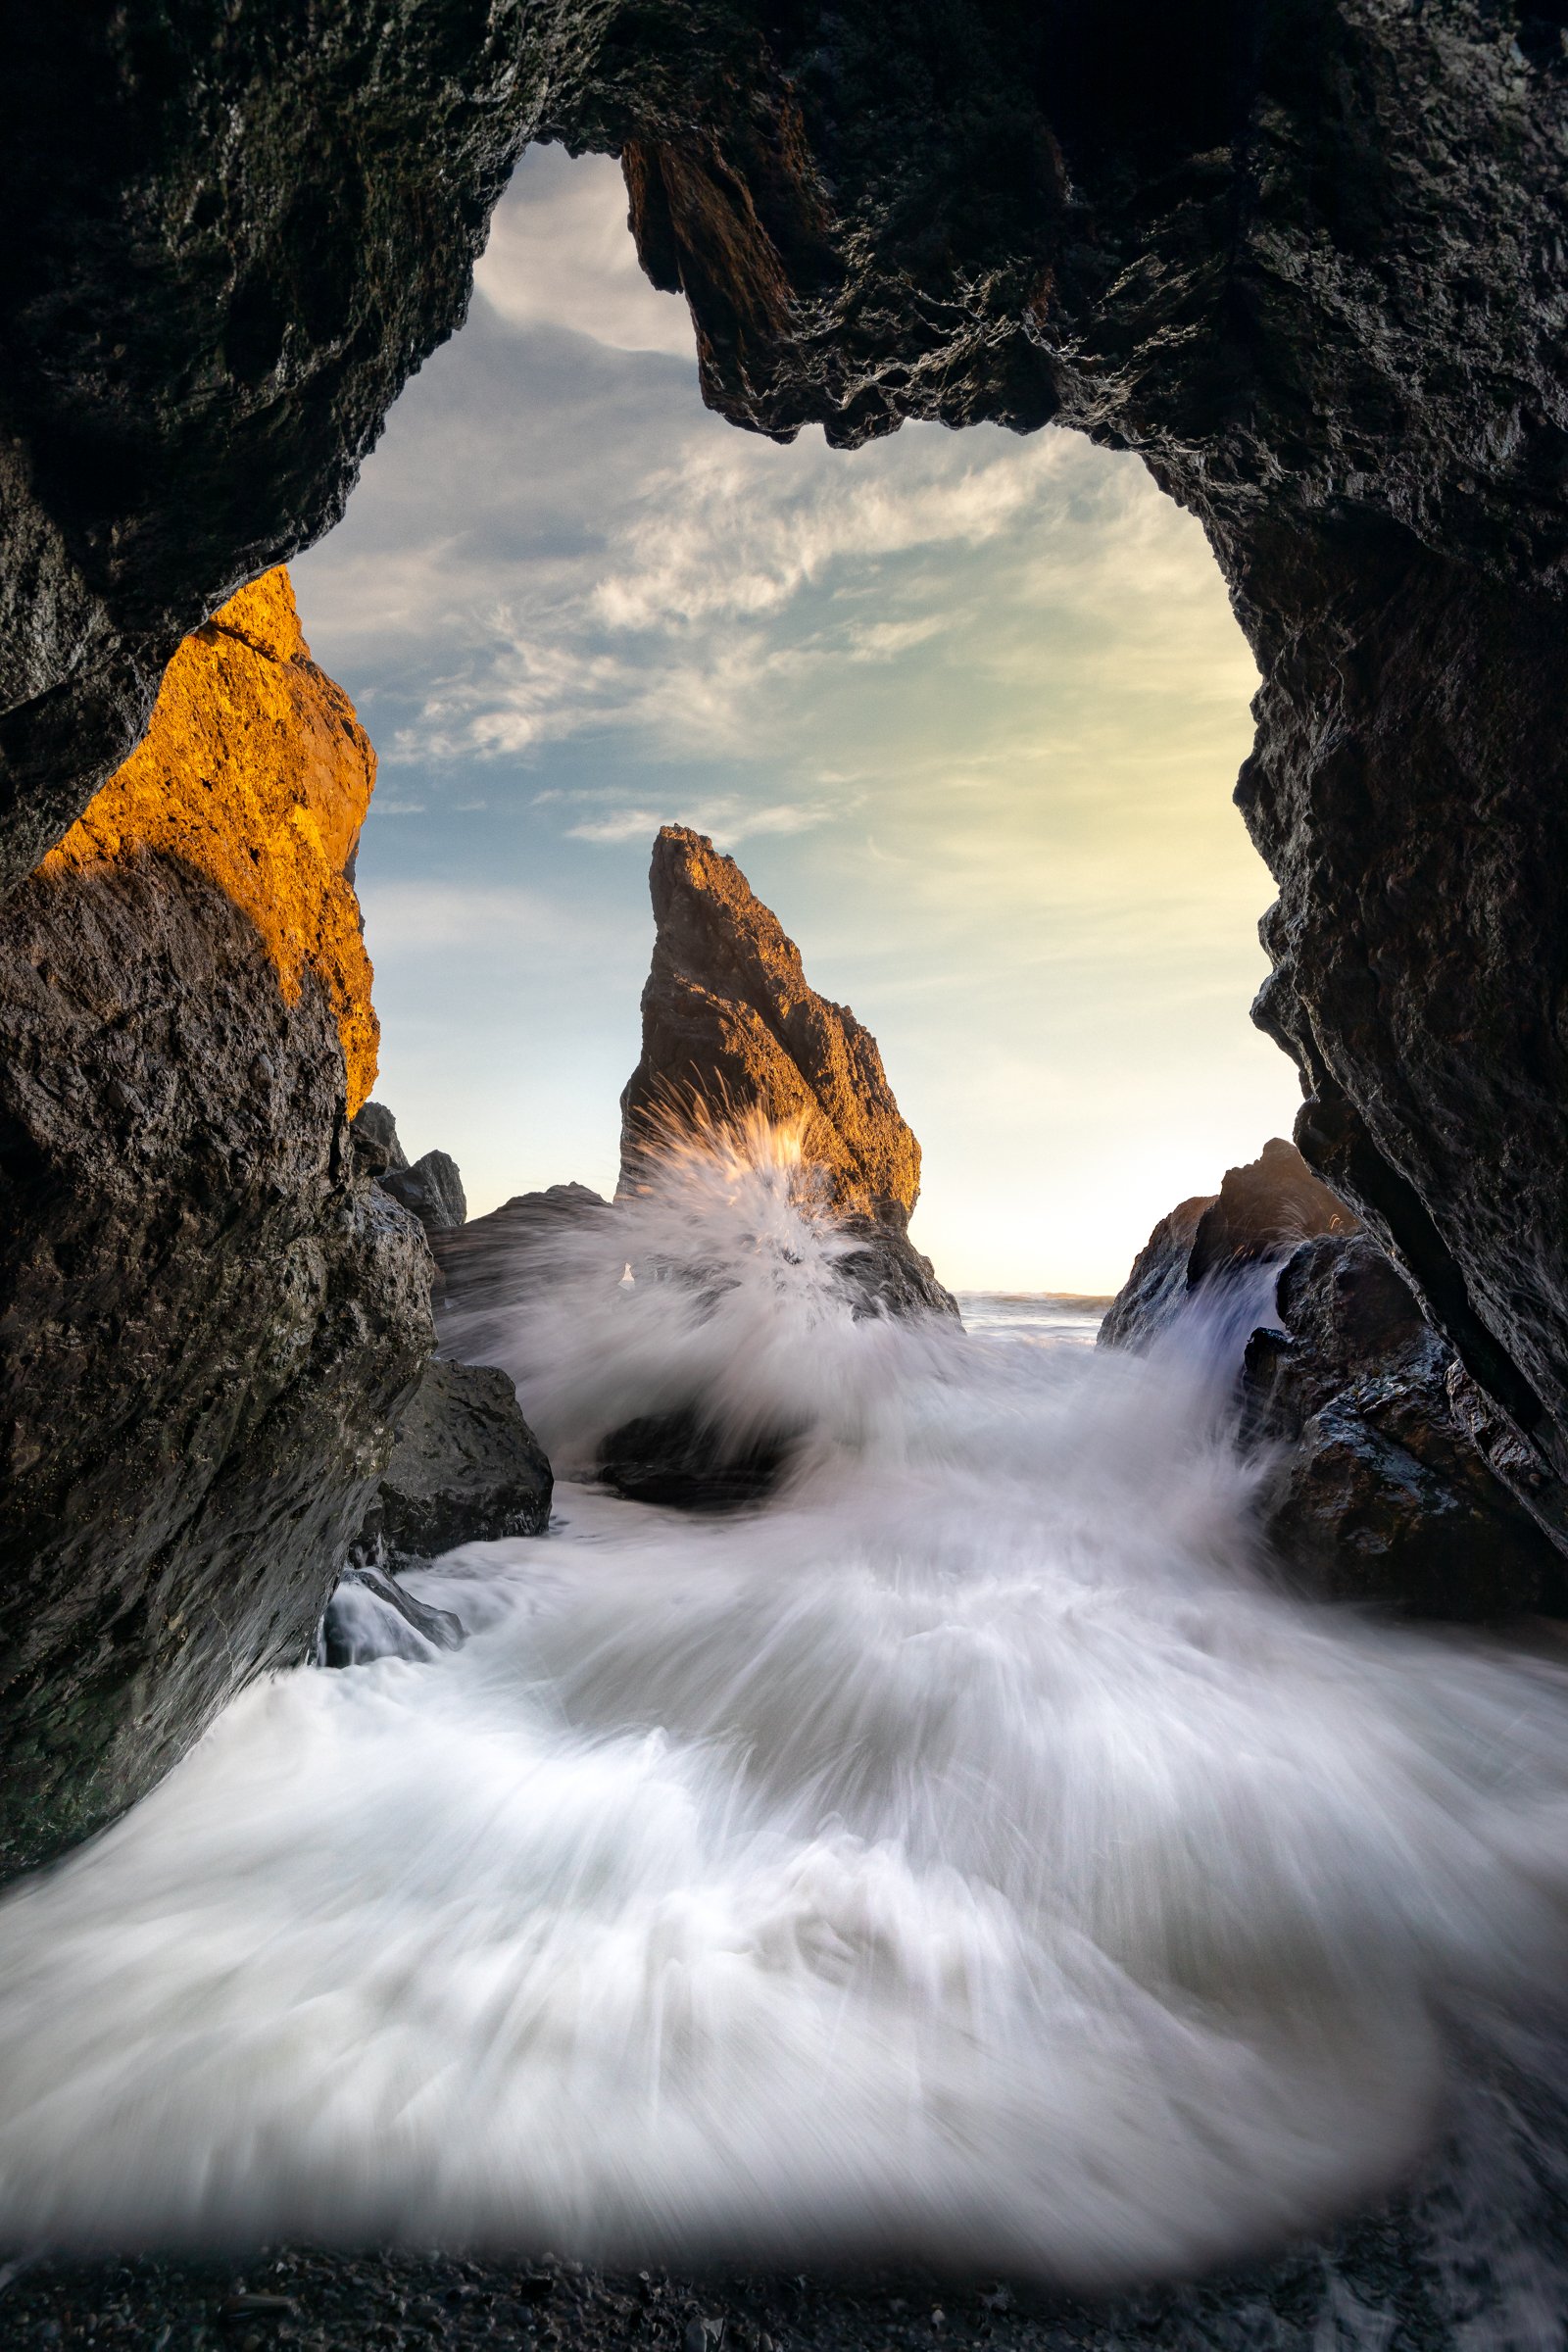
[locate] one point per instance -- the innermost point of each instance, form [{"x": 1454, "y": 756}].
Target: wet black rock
[
  {"x": 1380, "y": 1494},
  {"x": 372, "y": 1615},
  {"x": 672, "y": 1458},
  {"x": 465, "y": 1469},
  {"x": 1391, "y": 1480},
  {"x": 212, "y": 1321}
]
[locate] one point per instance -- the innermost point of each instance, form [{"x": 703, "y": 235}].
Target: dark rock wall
[
  {"x": 231, "y": 233},
  {"x": 1308, "y": 256},
  {"x": 1386, "y": 1478},
  {"x": 1379, "y": 1493},
  {"x": 209, "y": 1325},
  {"x": 210, "y": 1314}
]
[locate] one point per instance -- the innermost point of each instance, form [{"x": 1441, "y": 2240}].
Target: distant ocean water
[{"x": 1041, "y": 1316}]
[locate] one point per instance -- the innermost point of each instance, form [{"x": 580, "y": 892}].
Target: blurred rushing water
[{"x": 970, "y": 1856}]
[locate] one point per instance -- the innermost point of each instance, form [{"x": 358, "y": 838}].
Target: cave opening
[{"x": 965, "y": 704}]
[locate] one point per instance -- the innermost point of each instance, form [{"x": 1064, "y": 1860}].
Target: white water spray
[{"x": 970, "y": 1854}]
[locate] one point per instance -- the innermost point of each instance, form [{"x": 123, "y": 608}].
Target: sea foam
[{"x": 975, "y": 1853}]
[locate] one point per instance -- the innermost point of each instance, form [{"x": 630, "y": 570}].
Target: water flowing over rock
[
  {"x": 211, "y": 1316},
  {"x": 1391, "y": 1482},
  {"x": 1260, "y": 1211},
  {"x": 488, "y": 1263},
  {"x": 1311, "y": 262},
  {"x": 730, "y": 1026}
]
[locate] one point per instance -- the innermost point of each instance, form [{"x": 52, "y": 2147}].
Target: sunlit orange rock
[{"x": 256, "y": 773}]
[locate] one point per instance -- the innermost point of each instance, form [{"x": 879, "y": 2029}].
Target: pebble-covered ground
[{"x": 1362, "y": 2292}]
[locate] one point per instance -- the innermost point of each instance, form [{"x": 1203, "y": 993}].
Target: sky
[{"x": 968, "y": 707}]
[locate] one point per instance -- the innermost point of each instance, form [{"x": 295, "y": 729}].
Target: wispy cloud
[
  {"x": 727, "y": 820},
  {"x": 559, "y": 256},
  {"x": 970, "y": 703}
]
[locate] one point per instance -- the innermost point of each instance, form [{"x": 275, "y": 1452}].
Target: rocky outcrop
[
  {"x": 1309, "y": 258},
  {"x": 211, "y": 1316},
  {"x": 372, "y": 1615},
  {"x": 465, "y": 1469},
  {"x": 1261, "y": 1211},
  {"x": 431, "y": 1189},
  {"x": 493, "y": 1260},
  {"x": 1379, "y": 1493},
  {"x": 730, "y": 1026},
  {"x": 1385, "y": 1482},
  {"x": 1153, "y": 1293}
]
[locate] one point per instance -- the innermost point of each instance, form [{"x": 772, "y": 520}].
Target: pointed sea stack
[{"x": 731, "y": 1024}]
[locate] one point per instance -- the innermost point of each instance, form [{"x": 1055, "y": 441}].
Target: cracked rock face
[
  {"x": 1309, "y": 258},
  {"x": 210, "y": 1318}
]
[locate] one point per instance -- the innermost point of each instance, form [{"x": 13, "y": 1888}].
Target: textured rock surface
[
  {"x": 465, "y": 1469},
  {"x": 1308, "y": 256},
  {"x": 375, "y": 1136},
  {"x": 209, "y": 1317},
  {"x": 1393, "y": 1482},
  {"x": 258, "y": 776},
  {"x": 1260, "y": 1211},
  {"x": 431, "y": 1189},
  {"x": 731, "y": 1025},
  {"x": 232, "y": 231},
  {"x": 1380, "y": 1494}
]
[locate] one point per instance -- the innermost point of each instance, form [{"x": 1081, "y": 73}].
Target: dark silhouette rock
[
  {"x": 212, "y": 1317},
  {"x": 1261, "y": 1210},
  {"x": 465, "y": 1469},
  {"x": 1392, "y": 1481},
  {"x": 672, "y": 1458},
  {"x": 432, "y": 1190},
  {"x": 1381, "y": 1494},
  {"x": 731, "y": 1026}
]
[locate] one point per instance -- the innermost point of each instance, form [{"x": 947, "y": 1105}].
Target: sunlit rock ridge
[
  {"x": 211, "y": 1316},
  {"x": 256, "y": 773}
]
